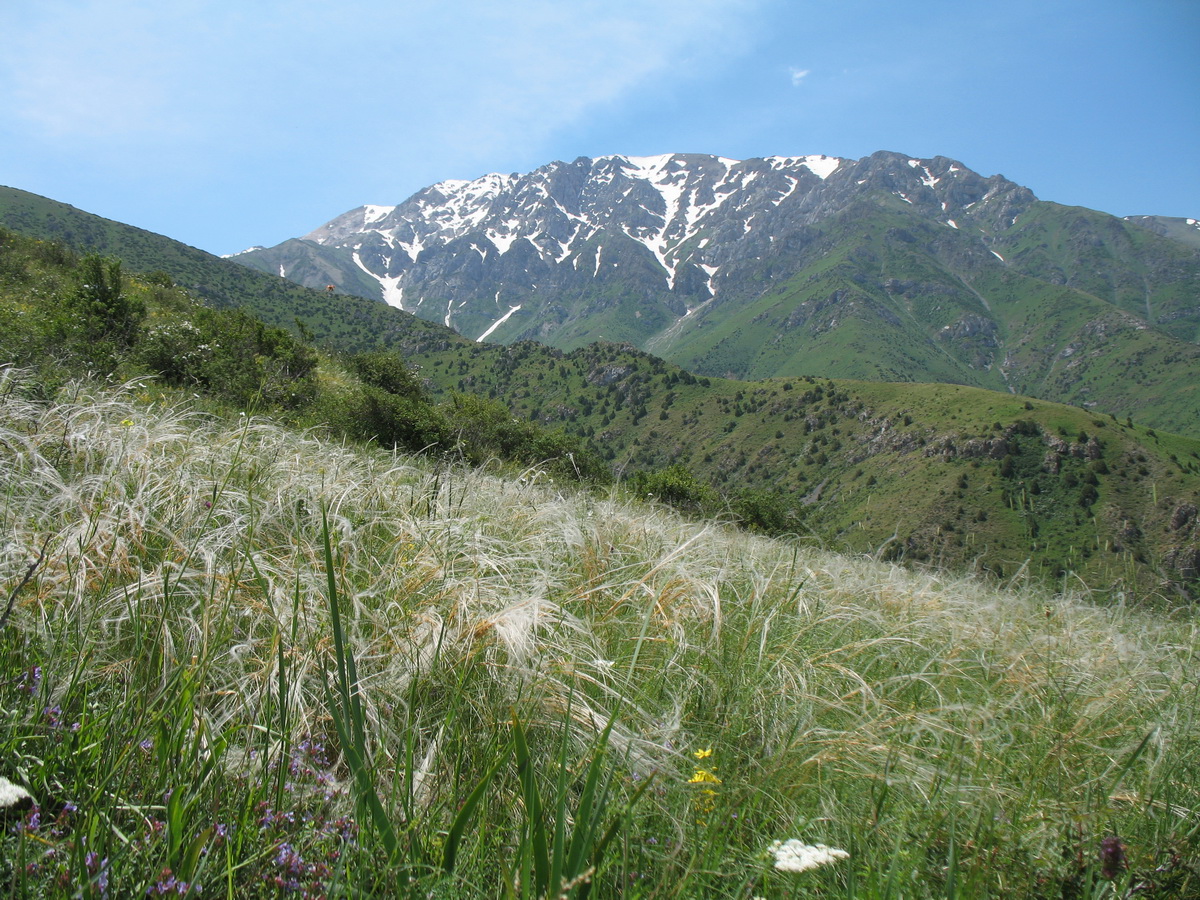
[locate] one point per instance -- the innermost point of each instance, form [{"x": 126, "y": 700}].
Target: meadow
[{"x": 245, "y": 660}]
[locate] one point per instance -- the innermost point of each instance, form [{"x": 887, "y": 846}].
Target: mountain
[{"x": 886, "y": 268}]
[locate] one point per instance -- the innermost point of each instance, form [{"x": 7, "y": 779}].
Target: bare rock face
[
  {"x": 602, "y": 376},
  {"x": 1185, "y": 561},
  {"x": 1183, "y": 516}
]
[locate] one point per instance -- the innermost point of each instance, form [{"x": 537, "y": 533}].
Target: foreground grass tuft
[{"x": 529, "y": 692}]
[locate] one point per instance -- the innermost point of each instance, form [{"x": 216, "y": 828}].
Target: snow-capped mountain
[
  {"x": 886, "y": 268},
  {"x": 676, "y": 229}
]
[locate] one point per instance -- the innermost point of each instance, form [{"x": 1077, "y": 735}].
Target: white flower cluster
[{"x": 796, "y": 856}]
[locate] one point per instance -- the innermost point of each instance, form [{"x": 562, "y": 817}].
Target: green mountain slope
[
  {"x": 1148, "y": 276},
  {"x": 1186, "y": 231},
  {"x": 1027, "y": 317},
  {"x": 344, "y": 322},
  {"x": 959, "y": 476}
]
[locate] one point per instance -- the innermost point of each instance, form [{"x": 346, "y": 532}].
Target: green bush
[
  {"x": 233, "y": 356},
  {"x": 676, "y": 486},
  {"x": 766, "y": 511},
  {"x": 388, "y": 371},
  {"x": 106, "y": 313}
]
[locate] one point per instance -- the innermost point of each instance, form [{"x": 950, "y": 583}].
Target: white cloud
[
  {"x": 126, "y": 70},
  {"x": 798, "y": 76}
]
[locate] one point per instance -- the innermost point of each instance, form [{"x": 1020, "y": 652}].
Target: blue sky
[{"x": 225, "y": 124}]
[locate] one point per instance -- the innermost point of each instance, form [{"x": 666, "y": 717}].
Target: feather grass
[{"x": 953, "y": 735}]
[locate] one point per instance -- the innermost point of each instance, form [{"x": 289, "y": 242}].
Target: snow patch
[
  {"x": 412, "y": 249},
  {"x": 648, "y": 166},
  {"x": 372, "y": 213},
  {"x": 281, "y": 275},
  {"x": 791, "y": 190},
  {"x": 393, "y": 294},
  {"x": 502, "y": 241},
  {"x": 498, "y": 322},
  {"x": 564, "y": 247},
  {"x": 450, "y": 185},
  {"x": 928, "y": 179},
  {"x": 822, "y": 166},
  {"x": 389, "y": 285}
]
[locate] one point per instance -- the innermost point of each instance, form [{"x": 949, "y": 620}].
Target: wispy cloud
[
  {"x": 291, "y": 102},
  {"x": 468, "y": 71},
  {"x": 798, "y": 76}
]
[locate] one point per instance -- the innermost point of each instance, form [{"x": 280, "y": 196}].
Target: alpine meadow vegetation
[{"x": 248, "y": 660}]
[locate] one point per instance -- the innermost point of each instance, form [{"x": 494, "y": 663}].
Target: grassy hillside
[
  {"x": 952, "y": 475},
  {"x": 69, "y": 316},
  {"x": 1110, "y": 259},
  {"x": 341, "y": 322},
  {"x": 1185, "y": 231},
  {"x": 244, "y": 662}
]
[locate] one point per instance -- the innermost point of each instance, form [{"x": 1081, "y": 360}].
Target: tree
[{"x": 106, "y": 313}]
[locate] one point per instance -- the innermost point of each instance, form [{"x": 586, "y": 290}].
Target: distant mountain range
[{"x": 886, "y": 268}]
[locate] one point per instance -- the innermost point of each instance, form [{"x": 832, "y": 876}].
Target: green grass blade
[
  {"x": 463, "y": 817},
  {"x": 533, "y": 809}
]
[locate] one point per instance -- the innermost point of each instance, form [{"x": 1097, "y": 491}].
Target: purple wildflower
[
  {"x": 1112, "y": 857},
  {"x": 31, "y": 679},
  {"x": 168, "y": 884},
  {"x": 98, "y": 870}
]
